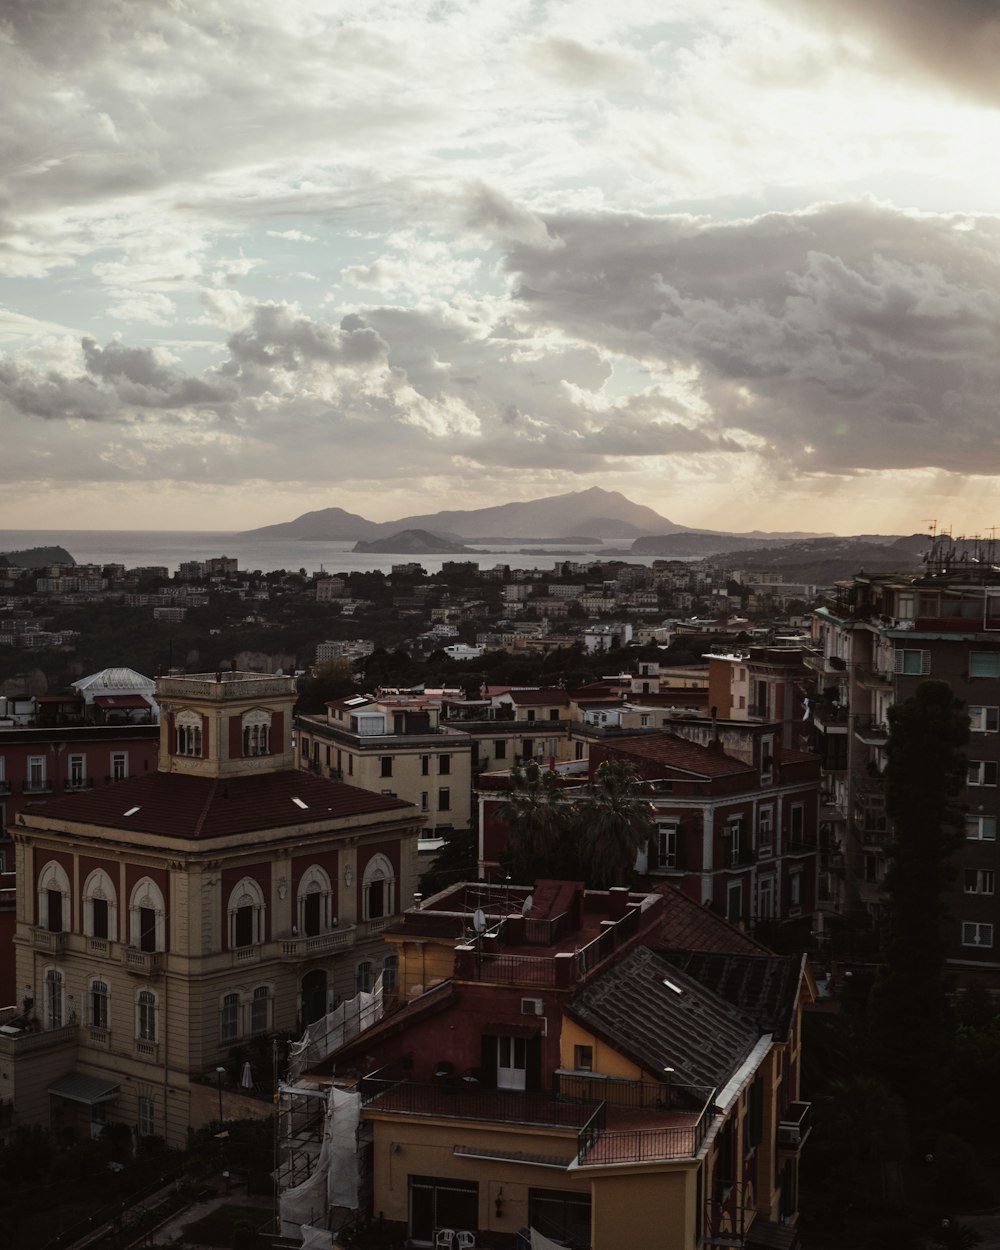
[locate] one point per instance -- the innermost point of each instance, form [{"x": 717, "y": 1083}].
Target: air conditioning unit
[{"x": 532, "y": 1006}]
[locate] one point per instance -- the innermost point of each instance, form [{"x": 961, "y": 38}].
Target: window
[
  {"x": 260, "y": 1009},
  {"x": 767, "y": 759},
  {"x": 984, "y": 663},
  {"x": 378, "y": 888},
  {"x": 583, "y": 1058},
  {"x": 765, "y": 830},
  {"x": 795, "y": 890},
  {"x": 188, "y": 726},
  {"x": 644, "y": 719},
  {"x": 256, "y": 725},
  {"x": 145, "y": 1013},
  {"x": 734, "y": 902},
  {"x": 500, "y": 749},
  {"x": 530, "y": 714},
  {"x": 53, "y": 999},
  {"x": 981, "y": 828},
  {"x": 53, "y": 898},
  {"x": 119, "y": 765},
  {"x": 246, "y": 915},
  {"x": 425, "y": 765},
  {"x": 364, "y": 977},
  {"x": 512, "y": 1062},
  {"x": 666, "y": 846},
  {"x": 77, "y": 775},
  {"x": 911, "y": 662},
  {"x": 561, "y": 1216},
  {"x": 984, "y": 720},
  {"x": 444, "y": 800},
  {"x": 444, "y": 765},
  {"x": 100, "y": 910},
  {"x": 350, "y": 765},
  {"x": 982, "y": 773},
  {"x": 315, "y": 900},
  {"x": 734, "y": 832},
  {"x": 147, "y": 1123},
  {"x": 36, "y": 772},
  {"x": 424, "y": 801},
  {"x": 99, "y": 1014},
  {"x": 390, "y": 974},
  {"x": 229, "y": 1018},
  {"x": 578, "y": 750},
  {"x": 147, "y": 915},
  {"x": 440, "y": 1202},
  {"x": 976, "y": 934},
  {"x": 386, "y": 766},
  {"x": 979, "y": 881}
]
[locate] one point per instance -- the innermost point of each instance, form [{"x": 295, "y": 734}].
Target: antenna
[
  {"x": 479, "y": 920},
  {"x": 527, "y": 905}
]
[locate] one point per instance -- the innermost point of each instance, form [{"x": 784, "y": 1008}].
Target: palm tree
[
  {"x": 535, "y": 813},
  {"x": 615, "y": 822}
]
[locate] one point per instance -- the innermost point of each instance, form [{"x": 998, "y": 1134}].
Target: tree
[
  {"x": 925, "y": 772},
  {"x": 536, "y": 815},
  {"x": 615, "y": 821}
]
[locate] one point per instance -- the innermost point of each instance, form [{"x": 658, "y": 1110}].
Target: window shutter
[{"x": 489, "y": 1061}]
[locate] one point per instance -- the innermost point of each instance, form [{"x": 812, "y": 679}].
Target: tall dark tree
[
  {"x": 925, "y": 773},
  {"x": 616, "y": 822},
  {"x": 536, "y": 815}
]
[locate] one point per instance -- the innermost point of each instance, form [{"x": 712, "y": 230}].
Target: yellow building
[
  {"x": 609, "y": 1069},
  {"x": 168, "y": 920}
]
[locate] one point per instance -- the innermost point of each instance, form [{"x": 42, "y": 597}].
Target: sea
[{"x": 171, "y": 547}]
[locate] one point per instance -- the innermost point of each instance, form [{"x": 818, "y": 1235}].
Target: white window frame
[
  {"x": 667, "y": 832},
  {"x": 256, "y": 733},
  {"x": 980, "y": 716},
  {"x": 76, "y": 774},
  {"x": 378, "y": 869},
  {"x": 982, "y": 773},
  {"x": 260, "y": 1021},
  {"x": 390, "y": 974},
  {"x": 100, "y": 886},
  {"x": 984, "y": 660},
  {"x": 188, "y": 733},
  {"x": 978, "y": 934},
  {"x": 512, "y": 1063},
  {"x": 37, "y": 775},
  {"x": 145, "y": 1117},
  {"x": 146, "y": 1011},
  {"x": 734, "y": 890},
  {"x": 229, "y": 1017},
  {"x": 980, "y": 828},
  {"x": 364, "y": 976},
  {"x": 316, "y": 880},
  {"x": 979, "y": 881},
  {"x": 795, "y": 889},
  {"x": 919, "y": 667},
  {"x": 247, "y": 893},
  {"x": 147, "y": 895},
  {"x": 53, "y": 877},
  {"x": 765, "y": 830},
  {"x": 119, "y": 765},
  {"x": 99, "y": 1003},
  {"x": 767, "y": 759},
  {"x": 55, "y": 992},
  {"x": 734, "y": 836}
]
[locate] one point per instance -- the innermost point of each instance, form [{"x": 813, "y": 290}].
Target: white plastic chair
[
  {"x": 464, "y": 1240},
  {"x": 444, "y": 1237}
]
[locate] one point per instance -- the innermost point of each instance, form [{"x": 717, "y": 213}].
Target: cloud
[
  {"x": 955, "y": 42},
  {"x": 842, "y": 338}
]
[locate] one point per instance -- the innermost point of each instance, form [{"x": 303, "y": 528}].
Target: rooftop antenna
[{"x": 527, "y": 905}]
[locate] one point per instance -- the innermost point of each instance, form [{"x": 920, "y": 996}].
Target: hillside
[
  {"x": 826, "y": 560},
  {"x": 414, "y": 542},
  {"x": 36, "y": 557}
]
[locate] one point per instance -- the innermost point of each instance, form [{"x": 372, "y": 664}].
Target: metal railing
[{"x": 458, "y": 1099}]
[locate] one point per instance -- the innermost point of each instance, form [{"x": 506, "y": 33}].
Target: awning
[
  {"x": 121, "y": 700},
  {"x": 86, "y": 1089}
]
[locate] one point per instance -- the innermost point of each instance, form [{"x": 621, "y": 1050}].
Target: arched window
[
  {"x": 256, "y": 732},
  {"x": 246, "y": 914},
  {"x": 147, "y": 917},
  {"x": 187, "y": 726},
  {"x": 145, "y": 1016},
  {"x": 378, "y": 888},
  {"x": 260, "y": 1009},
  {"x": 53, "y": 899},
  {"x": 315, "y": 899},
  {"x": 53, "y": 998},
  {"x": 100, "y": 906},
  {"x": 229, "y": 1019},
  {"x": 98, "y": 1006}
]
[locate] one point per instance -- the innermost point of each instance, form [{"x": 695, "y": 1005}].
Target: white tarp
[
  {"x": 538, "y": 1242},
  {"x": 316, "y": 1238},
  {"x": 333, "y": 1181},
  {"x": 328, "y": 1034}
]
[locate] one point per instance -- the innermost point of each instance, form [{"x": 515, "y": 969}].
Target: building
[
  {"x": 735, "y": 814},
  {"x": 875, "y": 641},
  {"x": 202, "y": 906},
  {"x": 608, "y": 1069},
  {"x": 394, "y": 745}
]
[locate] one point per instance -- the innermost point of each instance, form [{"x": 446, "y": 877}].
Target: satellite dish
[
  {"x": 479, "y": 920},
  {"x": 527, "y": 905}
]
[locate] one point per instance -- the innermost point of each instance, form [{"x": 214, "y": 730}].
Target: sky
[{"x": 739, "y": 261}]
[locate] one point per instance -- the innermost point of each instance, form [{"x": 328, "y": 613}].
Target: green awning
[{"x": 86, "y": 1089}]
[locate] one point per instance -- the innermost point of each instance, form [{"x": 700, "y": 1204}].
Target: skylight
[
  {"x": 131, "y": 811},
  {"x": 298, "y": 803},
  {"x": 670, "y": 986}
]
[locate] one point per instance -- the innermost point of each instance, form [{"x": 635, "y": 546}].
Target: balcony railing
[
  {"x": 143, "y": 963},
  {"x": 821, "y": 663},
  {"x": 78, "y": 783},
  {"x": 5, "y": 786},
  {"x": 871, "y": 731},
  {"x": 101, "y": 947},
  {"x": 46, "y": 940},
  {"x": 458, "y": 1100},
  {"x": 794, "y": 1125},
  {"x": 873, "y": 678},
  {"x": 319, "y": 944},
  {"x": 43, "y": 786}
]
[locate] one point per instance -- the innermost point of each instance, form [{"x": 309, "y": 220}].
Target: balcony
[
  {"x": 46, "y": 940},
  {"x": 40, "y": 785},
  {"x": 100, "y": 948},
  {"x": 457, "y": 1099},
  {"x": 828, "y": 665},
  {"x": 142, "y": 963},
  {"x": 873, "y": 678},
  {"x": 78, "y": 783},
  {"x": 794, "y": 1126},
  {"x": 5, "y": 786},
  {"x": 296, "y": 948},
  {"x": 830, "y": 717},
  {"x": 871, "y": 732}
]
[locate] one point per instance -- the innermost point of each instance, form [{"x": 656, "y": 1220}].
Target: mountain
[
  {"x": 329, "y": 524},
  {"x": 36, "y": 557},
  {"x": 414, "y": 542}
]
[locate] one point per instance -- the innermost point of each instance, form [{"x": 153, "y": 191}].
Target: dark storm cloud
[
  {"x": 850, "y": 336},
  {"x": 956, "y": 42},
  {"x": 277, "y": 337}
]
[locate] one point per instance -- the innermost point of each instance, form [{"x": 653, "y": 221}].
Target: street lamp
[{"x": 220, "y": 1072}]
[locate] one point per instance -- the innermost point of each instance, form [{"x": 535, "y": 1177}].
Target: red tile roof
[
  {"x": 529, "y": 698},
  {"x": 207, "y": 807},
  {"x": 679, "y": 753},
  {"x": 691, "y": 926}
]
